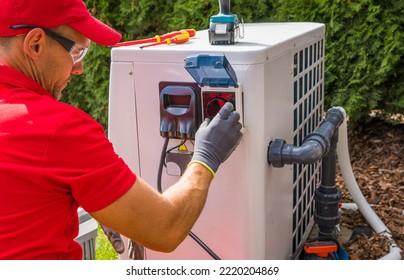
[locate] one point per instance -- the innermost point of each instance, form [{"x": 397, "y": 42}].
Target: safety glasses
[{"x": 76, "y": 50}]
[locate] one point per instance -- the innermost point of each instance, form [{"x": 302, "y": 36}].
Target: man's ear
[{"x": 35, "y": 43}]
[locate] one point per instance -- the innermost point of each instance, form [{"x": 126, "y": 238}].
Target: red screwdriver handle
[
  {"x": 179, "y": 39},
  {"x": 157, "y": 38}
]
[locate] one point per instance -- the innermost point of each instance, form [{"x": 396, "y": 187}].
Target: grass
[{"x": 103, "y": 248}]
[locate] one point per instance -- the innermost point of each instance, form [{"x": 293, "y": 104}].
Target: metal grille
[
  {"x": 88, "y": 247},
  {"x": 308, "y": 104}
]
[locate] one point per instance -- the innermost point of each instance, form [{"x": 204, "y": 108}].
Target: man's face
[{"x": 59, "y": 67}]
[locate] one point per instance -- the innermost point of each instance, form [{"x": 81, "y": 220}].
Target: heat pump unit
[{"x": 275, "y": 77}]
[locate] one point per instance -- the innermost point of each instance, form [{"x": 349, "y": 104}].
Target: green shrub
[
  {"x": 364, "y": 45},
  {"x": 133, "y": 19},
  {"x": 364, "y": 48}
]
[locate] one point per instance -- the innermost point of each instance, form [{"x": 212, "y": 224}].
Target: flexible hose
[{"x": 357, "y": 196}]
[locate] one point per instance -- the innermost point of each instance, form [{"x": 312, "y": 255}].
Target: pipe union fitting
[{"x": 274, "y": 156}]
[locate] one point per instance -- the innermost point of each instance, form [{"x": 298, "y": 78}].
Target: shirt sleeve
[{"x": 85, "y": 164}]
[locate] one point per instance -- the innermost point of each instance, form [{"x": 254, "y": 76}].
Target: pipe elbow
[
  {"x": 310, "y": 152},
  {"x": 280, "y": 153},
  {"x": 314, "y": 147}
]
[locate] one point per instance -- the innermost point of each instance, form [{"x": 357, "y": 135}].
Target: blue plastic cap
[{"x": 211, "y": 70}]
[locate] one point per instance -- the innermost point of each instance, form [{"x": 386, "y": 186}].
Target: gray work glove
[
  {"x": 114, "y": 238},
  {"x": 216, "y": 139}
]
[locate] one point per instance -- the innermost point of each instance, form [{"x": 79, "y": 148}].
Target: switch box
[
  {"x": 214, "y": 98},
  {"x": 218, "y": 82}
]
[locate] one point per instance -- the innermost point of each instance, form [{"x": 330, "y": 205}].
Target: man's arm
[
  {"x": 162, "y": 221},
  {"x": 159, "y": 222}
]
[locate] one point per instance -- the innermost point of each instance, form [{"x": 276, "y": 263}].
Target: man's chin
[{"x": 57, "y": 95}]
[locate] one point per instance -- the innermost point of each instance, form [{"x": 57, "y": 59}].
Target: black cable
[
  {"x": 175, "y": 147},
  {"x": 203, "y": 245},
  {"x": 160, "y": 190},
  {"x": 162, "y": 162}
]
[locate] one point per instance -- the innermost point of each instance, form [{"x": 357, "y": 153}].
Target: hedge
[
  {"x": 364, "y": 45},
  {"x": 364, "y": 51}
]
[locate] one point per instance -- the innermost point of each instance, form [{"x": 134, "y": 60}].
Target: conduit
[{"x": 346, "y": 170}]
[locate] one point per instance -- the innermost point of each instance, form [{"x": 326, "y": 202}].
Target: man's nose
[{"x": 78, "y": 68}]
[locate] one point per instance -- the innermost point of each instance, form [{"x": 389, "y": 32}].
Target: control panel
[{"x": 218, "y": 82}]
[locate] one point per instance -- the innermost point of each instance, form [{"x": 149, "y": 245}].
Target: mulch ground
[{"x": 377, "y": 157}]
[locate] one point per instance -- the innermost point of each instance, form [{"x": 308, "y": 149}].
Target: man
[{"x": 54, "y": 157}]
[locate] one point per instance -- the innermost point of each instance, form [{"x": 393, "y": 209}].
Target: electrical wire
[
  {"x": 203, "y": 245},
  {"x": 164, "y": 151},
  {"x": 177, "y": 146},
  {"x": 162, "y": 163}
]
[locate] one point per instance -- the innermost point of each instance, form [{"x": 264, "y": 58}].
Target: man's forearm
[{"x": 188, "y": 196}]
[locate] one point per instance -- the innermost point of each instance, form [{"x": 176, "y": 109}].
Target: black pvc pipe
[
  {"x": 321, "y": 144},
  {"x": 327, "y": 196},
  {"x": 314, "y": 147}
]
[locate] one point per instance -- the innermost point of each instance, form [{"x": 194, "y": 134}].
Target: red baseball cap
[{"x": 53, "y": 13}]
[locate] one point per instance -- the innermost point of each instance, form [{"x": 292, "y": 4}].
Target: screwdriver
[
  {"x": 179, "y": 39},
  {"x": 158, "y": 38}
]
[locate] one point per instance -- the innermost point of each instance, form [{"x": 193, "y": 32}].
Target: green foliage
[
  {"x": 364, "y": 45},
  {"x": 190, "y": 14},
  {"x": 103, "y": 248},
  {"x": 363, "y": 51}
]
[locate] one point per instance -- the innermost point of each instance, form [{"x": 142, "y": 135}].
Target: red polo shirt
[{"x": 53, "y": 158}]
